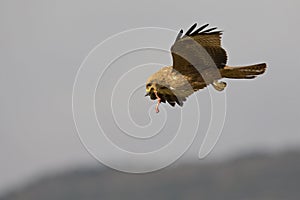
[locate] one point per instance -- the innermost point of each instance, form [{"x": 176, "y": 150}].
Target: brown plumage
[{"x": 198, "y": 61}]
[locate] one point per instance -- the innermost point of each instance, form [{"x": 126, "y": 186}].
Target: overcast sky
[{"x": 43, "y": 44}]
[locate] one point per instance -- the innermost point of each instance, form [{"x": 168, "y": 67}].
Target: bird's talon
[
  {"x": 156, "y": 109},
  {"x": 158, "y": 102}
]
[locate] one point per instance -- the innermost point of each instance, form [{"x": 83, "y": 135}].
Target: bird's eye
[{"x": 148, "y": 85}]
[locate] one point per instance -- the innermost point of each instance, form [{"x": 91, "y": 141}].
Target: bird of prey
[{"x": 198, "y": 61}]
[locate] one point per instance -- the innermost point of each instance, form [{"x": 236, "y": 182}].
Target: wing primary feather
[
  {"x": 179, "y": 102},
  {"x": 179, "y": 35},
  {"x": 191, "y": 29},
  {"x": 171, "y": 103},
  {"x": 201, "y": 28},
  {"x": 209, "y": 30},
  {"x": 214, "y": 32}
]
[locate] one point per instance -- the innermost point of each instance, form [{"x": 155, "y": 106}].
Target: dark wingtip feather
[
  {"x": 179, "y": 35},
  {"x": 214, "y": 32},
  {"x": 209, "y": 30},
  {"x": 171, "y": 103},
  {"x": 178, "y": 101},
  {"x": 191, "y": 29},
  {"x": 201, "y": 28}
]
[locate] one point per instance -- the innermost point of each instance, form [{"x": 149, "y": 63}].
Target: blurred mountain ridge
[{"x": 254, "y": 176}]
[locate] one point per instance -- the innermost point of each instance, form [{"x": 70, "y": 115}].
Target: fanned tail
[{"x": 246, "y": 72}]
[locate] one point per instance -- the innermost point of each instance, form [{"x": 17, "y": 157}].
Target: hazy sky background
[{"x": 42, "y": 44}]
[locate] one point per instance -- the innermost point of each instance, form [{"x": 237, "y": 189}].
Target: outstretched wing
[{"x": 199, "y": 49}]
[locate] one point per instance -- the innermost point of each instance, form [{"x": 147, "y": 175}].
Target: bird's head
[{"x": 151, "y": 88}]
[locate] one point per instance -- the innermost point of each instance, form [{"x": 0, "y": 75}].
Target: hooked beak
[{"x": 147, "y": 92}]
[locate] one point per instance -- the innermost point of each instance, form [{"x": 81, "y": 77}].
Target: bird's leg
[{"x": 158, "y": 102}]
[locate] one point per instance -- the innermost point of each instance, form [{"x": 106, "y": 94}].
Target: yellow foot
[{"x": 220, "y": 86}]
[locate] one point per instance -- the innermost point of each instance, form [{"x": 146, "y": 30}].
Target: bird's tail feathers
[{"x": 245, "y": 72}]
